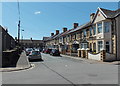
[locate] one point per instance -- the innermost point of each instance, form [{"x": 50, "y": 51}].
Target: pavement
[
  {"x": 23, "y": 67},
  {"x": 9, "y": 69},
  {"x": 92, "y": 61}
]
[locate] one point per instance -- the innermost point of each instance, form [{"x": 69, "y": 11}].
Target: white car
[
  {"x": 34, "y": 55},
  {"x": 28, "y": 50}
]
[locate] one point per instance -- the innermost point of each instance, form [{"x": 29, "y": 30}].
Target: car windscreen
[
  {"x": 55, "y": 51},
  {"x": 28, "y": 49},
  {"x": 35, "y": 53}
]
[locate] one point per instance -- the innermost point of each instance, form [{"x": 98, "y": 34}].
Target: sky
[{"x": 39, "y": 19}]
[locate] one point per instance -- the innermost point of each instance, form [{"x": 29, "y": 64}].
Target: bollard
[
  {"x": 87, "y": 50},
  {"x": 79, "y": 53},
  {"x": 103, "y": 55}
]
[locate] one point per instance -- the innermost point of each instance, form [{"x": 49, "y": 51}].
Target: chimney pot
[
  {"x": 52, "y": 34},
  {"x": 92, "y": 16},
  {"x": 57, "y": 32},
  {"x": 75, "y": 25},
  {"x": 64, "y": 29},
  {"x": 31, "y": 39}
]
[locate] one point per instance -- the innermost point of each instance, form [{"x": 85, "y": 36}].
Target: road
[{"x": 63, "y": 70}]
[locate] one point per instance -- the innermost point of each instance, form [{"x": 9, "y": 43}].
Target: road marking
[{"x": 59, "y": 74}]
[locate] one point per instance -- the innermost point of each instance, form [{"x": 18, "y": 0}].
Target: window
[
  {"x": 107, "y": 47},
  {"x": 90, "y": 31},
  {"x": 94, "y": 30},
  {"x": 81, "y": 34},
  {"x": 90, "y": 47},
  {"x": 100, "y": 45},
  {"x": 84, "y": 45},
  {"x": 84, "y": 33},
  {"x": 94, "y": 47},
  {"x": 75, "y": 47},
  {"x": 106, "y": 27},
  {"x": 99, "y": 27},
  {"x": 87, "y": 32}
]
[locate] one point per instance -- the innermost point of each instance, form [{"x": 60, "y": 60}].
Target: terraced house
[{"x": 102, "y": 32}]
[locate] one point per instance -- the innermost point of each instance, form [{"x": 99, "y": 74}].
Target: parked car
[
  {"x": 43, "y": 51},
  {"x": 55, "y": 52},
  {"x": 48, "y": 51},
  {"x": 28, "y": 50},
  {"x": 34, "y": 55}
]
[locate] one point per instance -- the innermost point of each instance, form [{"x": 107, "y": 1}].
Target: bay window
[
  {"x": 84, "y": 33},
  {"x": 94, "y": 30},
  {"x": 99, "y": 25},
  {"x": 106, "y": 27},
  {"x": 90, "y": 31},
  {"x": 107, "y": 46},
  {"x": 100, "y": 45},
  {"x": 84, "y": 45}
]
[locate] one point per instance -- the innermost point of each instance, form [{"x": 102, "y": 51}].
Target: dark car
[
  {"x": 48, "y": 51},
  {"x": 55, "y": 52}
]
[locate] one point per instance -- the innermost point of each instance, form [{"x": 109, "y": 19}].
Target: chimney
[
  {"x": 15, "y": 38},
  {"x": 31, "y": 39},
  {"x": 52, "y": 34},
  {"x": 92, "y": 16},
  {"x": 64, "y": 29},
  {"x": 57, "y": 32},
  {"x": 75, "y": 25}
]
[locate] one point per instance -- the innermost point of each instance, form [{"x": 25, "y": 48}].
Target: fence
[
  {"x": 94, "y": 56},
  {"x": 101, "y": 56}
]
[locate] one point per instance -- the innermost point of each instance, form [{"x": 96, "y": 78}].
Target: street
[{"x": 63, "y": 70}]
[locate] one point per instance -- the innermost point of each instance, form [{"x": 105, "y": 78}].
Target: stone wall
[{"x": 10, "y": 57}]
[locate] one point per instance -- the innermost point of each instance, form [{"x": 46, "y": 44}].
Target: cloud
[{"x": 37, "y": 12}]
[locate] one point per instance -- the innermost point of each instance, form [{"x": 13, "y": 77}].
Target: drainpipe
[
  {"x": 116, "y": 40},
  {"x": 115, "y": 37}
]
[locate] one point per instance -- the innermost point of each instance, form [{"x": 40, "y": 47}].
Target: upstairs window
[
  {"x": 106, "y": 27},
  {"x": 90, "y": 31},
  {"x": 99, "y": 25},
  {"x": 94, "y": 30},
  {"x": 84, "y": 33}
]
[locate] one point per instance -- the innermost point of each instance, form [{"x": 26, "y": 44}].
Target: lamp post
[{"x": 18, "y": 32}]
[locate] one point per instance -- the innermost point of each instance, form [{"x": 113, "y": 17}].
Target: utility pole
[
  {"x": 18, "y": 23},
  {"x": 19, "y": 32}
]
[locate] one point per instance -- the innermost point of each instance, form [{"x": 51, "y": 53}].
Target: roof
[
  {"x": 58, "y": 35},
  {"x": 81, "y": 27},
  {"x": 73, "y": 30},
  {"x": 45, "y": 38},
  {"x": 33, "y": 41},
  {"x": 67, "y": 32},
  {"x": 51, "y": 37},
  {"x": 110, "y": 13}
]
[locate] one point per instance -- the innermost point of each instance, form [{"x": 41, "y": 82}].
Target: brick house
[{"x": 100, "y": 33}]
